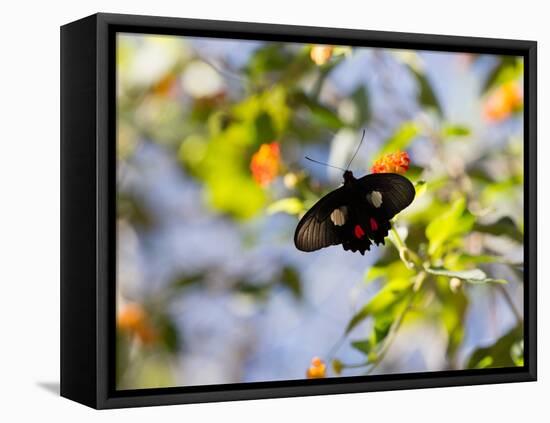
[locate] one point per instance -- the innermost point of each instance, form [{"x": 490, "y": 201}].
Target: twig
[
  {"x": 404, "y": 251},
  {"x": 336, "y": 346},
  {"x": 397, "y": 325},
  {"x": 354, "y": 366},
  {"x": 510, "y": 303}
]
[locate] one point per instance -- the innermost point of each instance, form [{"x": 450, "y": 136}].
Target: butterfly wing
[
  {"x": 365, "y": 207},
  {"x": 315, "y": 230}
]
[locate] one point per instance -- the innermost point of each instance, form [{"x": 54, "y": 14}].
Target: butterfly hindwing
[{"x": 356, "y": 214}]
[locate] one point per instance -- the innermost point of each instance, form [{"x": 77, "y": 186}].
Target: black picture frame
[{"x": 88, "y": 210}]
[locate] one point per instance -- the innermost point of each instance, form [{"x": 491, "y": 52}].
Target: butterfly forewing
[{"x": 397, "y": 192}]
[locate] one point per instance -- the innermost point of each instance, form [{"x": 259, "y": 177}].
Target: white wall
[{"x": 29, "y": 234}]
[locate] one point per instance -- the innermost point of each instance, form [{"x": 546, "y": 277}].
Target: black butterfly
[{"x": 356, "y": 214}]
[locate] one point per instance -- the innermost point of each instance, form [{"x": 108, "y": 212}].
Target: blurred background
[{"x": 211, "y": 183}]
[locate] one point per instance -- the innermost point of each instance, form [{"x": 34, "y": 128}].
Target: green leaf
[
  {"x": 222, "y": 189},
  {"x": 477, "y": 276},
  {"x": 321, "y": 114},
  {"x": 386, "y": 300},
  {"x": 363, "y": 346},
  {"x": 132, "y": 209},
  {"x": 426, "y": 94},
  {"x": 420, "y": 187},
  {"x": 362, "y": 103},
  {"x": 269, "y": 58},
  {"x": 504, "y": 226},
  {"x": 337, "y": 366},
  {"x": 453, "y": 130},
  {"x": 259, "y": 291},
  {"x": 224, "y": 167},
  {"x": 505, "y": 352},
  {"x": 342, "y": 50},
  {"x": 150, "y": 371},
  {"x": 187, "y": 280},
  {"x": 290, "y": 205},
  {"x": 400, "y": 139},
  {"x": 485, "y": 362},
  {"x": 265, "y": 132},
  {"x": 370, "y": 346},
  {"x": 453, "y": 313},
  {"x": 291, "y": 279},
  {"x": 517, "y": 353},
  {"x": 453, "y": 223},
  {"x": 507, "y": 69},
  {"x": 395, "y": 270},
  {"x": 382, "y": 326},
  {"x": 465, "y": 259},
  {"x": 170, "y": 335}
]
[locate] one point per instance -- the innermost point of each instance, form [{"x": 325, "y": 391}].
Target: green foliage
[
  {"x": 337, "y": 366},
  {"x": 363, "y": 107},
  {"x": 505, "y": 226},
  {"x": 267, "y": 60},
  {"x": 291, "y": 205},
  {"x": 453, "y": 130},
  {"x": 394, "y": 271},
  {"x": 401, "y": 138},
  {"x": 290, "y": 278},
  {"x": 322, "y": 115},
  {"x": 453, "y": 223},
  {"x": 387, "y": 302},
  {"x": 130, "y": 207},
  {"x": 381, "y": 329},
  {"x": 420, "y": 187},
  {"x": 224, "y": 164},
  {"x": 426, "y": 95},
  {"x": 452, "y": 312},
  {"x": 169, "y": 335},
  {"x": 507, "y": 69},
  {"x": 507, "y": 351}
]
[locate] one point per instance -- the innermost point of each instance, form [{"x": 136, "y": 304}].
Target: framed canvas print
[{"x": 255, "y": 211}]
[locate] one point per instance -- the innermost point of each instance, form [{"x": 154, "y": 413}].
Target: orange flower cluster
[
  {"x": 317, "y": 370},
  {"x": 503, "y": 101},
  {"x": 321, "y": 54},
  {"x": 397, "y": 162},
  {"x": 165, "y": 85},
  {"x": 133, "y": 320},
  {"x": 265, "y": 163}
]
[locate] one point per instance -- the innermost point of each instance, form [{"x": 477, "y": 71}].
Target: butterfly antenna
[
  {"x": 357, "y": 150},
  {"x": 324, "y": 164}
]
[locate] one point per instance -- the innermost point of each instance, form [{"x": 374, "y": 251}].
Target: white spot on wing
[
  {"x": 375, "y": 198},
  {"x": 339, "y": 215}
]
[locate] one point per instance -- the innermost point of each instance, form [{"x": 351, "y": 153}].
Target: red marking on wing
[
  {"x": 358, "y": 232},
  {"x": 373, "y": 224}
]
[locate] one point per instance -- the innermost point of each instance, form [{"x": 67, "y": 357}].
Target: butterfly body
[{"x": 355, "y": 215}]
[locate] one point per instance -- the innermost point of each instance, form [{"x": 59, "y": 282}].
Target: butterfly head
[{"x": 348, "y": 177}]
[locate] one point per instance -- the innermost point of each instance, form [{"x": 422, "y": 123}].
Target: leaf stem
[
  {"x": 404, "y": 252},
  {"x": 510, "y": 302},
  {"x": 397, "y": 325},
  {"x": 354, "y": 366},
  {"x": 414, "y": 263},
  {"x": 336, "y": 346}
]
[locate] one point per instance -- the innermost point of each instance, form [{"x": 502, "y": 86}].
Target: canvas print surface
[{"x": 289, "y": 211}]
